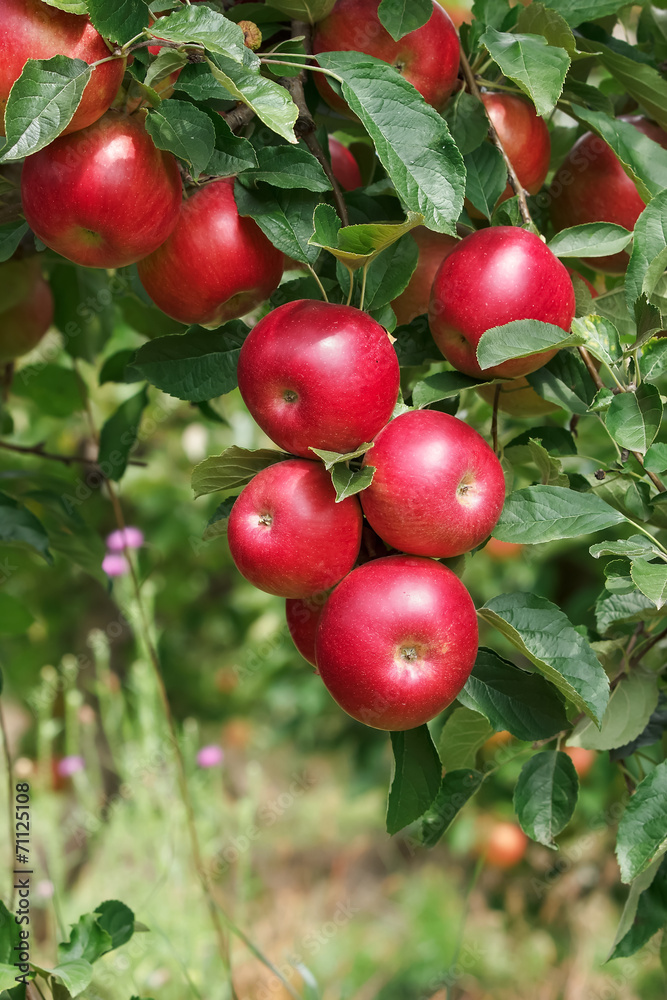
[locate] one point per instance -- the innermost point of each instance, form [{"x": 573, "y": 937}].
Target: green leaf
[
  {"x": 68, "y": 533},
  {"x": 631, "y": 705},
  {"x": 197, "y": 365},
  {"x": 442, "y": 386},
  {"x": 633, "y": 418},
  {"x": 288, "y": 167},
  {"x": 575, "y": 12},
  {"x": 232, "y": 154},
  {"x": 115, "y": 368},
  {"x": 42, "y": 103},
  {"x": 634, "y": 547},
  {"x": 639, "y": 79},
  {"x": 285, "y": 217},
  {"x": 545, "y": 795},
  {"x": 201, "y": 24},
  {"x": 10, "y": 934},
  {"x": 71, "y": 6},
  {"x": 644, "y": 160},
  {"x": 183, "y": 130},
  {"x": 565, "y": 381},
  {"x": 649, "y": 250},
  {"x": 400, "y": 17},
  {"x": 75, "y": 976},
  {"x": 119, "y": 20},
  {"x": 520, "y": 339},
  {"x": 416, "y": 778},
  {"x": 217, "y": 524},
  {"x": 414, "y": 343},
  {"x": 645, "y": 911},
  {"x": 546, "y": 513},
  {"x": 390, "y": 273},
  {"x": 653, "y": 360},
  {"x": 536, "y": 19},
  {"x": 544, "y": 634},
  {"x": 11, "y": 234},
  {"x": 232, "y": 470},
  {"x": 600, "y": 337},
  {"x": 655, "y": 459},
  {"x": 18, "y": 524},
  {"x": 331, "y": 458},
  {"x": 538, "y": 68},
  {"x": 271, "y": 103},
  {"x": 167, "y": 61},
  {"x": 557, "y": 440},
  {"x": 412, "y": 140},
  {"x": 512, "y": 699},
  {"x": 347, "y": 482},
  {"x": 456, "y": 789},
  {"x": 119, "y": 435},
  {"x": 356, "y": 246},
  {"x": 57, "y": 391},
  {"x": 87, "y": 940},
  {"x": 117, "y": 920},
  {"x": 7, "y": 980},
  {"x": 311, "y": 11},
  {"x": 463, "y": 734},
  {"x": 593, "y": 239},
  {"x": 486, "y": 177},
  {"x": 14, "y": 617},
  {"x": 651, "y": 579},
  {"x": 467, "y": 121},
  {"x": 618, "y": 609},
  {"x": 642, "y": 831}
]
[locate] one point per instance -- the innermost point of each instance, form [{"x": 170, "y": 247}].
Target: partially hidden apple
[
  {"x": 504, "y": 845},
  {"x": 31, "y": 29},
  {"x": 493, "y": 277},
  {"x": 288, "y": 536},
  {"x": 104, "y": 196},
  {"x": 344, "y": 166},
  {"x": 591, "y": 186},
  {"x": 303, "y": 616},
  {"x": 26, "y": 307},
  {"x": 318, "y": 375},
  {"x": 428, "y": 57},
  {"x": 460, "y": 12},
  {"x": 433, "y": 248},
  {"x": 438, "y": 489},
  {"x": 397, "y": 641},
  {"x": 216, "y": 265},
  {"x": 525, "y": 138}
]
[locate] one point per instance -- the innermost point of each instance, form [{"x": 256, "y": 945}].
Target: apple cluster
[{"x": 396, "y": 638}]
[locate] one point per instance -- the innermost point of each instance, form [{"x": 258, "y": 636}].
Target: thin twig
[
  {"x": 238, "y": 116},
  {"x": 305, "y": 127},
  {"x": 10, "y": 799},
  {"x": 37, "y": 451},
  {"x": 515, "y": 183},
  {"x": 599, "y": 384},
  {"x": 643, "y": 650}
]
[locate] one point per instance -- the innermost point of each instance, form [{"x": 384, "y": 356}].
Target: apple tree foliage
[{"x": 602, "y": 689}]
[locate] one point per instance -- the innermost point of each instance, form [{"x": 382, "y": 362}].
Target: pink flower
[
  {"x": 131, "y": 538},
  {"x": 70, "y": 765},
  {"x": 115, "y": 564},
  {"x": 210, "y": 756}
]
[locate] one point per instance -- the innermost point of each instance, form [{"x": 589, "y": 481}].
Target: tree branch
[
  {"x": 515, "y": 183},
  {"x": 305, "y": 126},
  {"x": 37, "y": 451},
  {"x": 238, "y": 116},
  {"x": 599, "y": 384}
]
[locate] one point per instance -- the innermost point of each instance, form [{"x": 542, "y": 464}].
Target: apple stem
[
  {"x": 599, "y": 384},
  {"x": 305, "y": 126},
  {"x": 363, "y": 286},
  {"x": 515, "y": 183},
  {"x": 317, "y": 279}
]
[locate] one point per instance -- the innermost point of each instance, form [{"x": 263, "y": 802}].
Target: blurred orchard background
[{"x": 288, "y": 792}]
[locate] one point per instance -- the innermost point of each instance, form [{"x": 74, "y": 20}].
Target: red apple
[
  {"x": 30, "y": 29},
  {"x": 525, "y": 137},
  {"x": 502, "y": 551},
  {"x": 493, "y": 277},
  {"x": 24, "y": 317},
  {"x": 303, "y": 617},
  {"x": 505, "y": 845},
  {"x": 216, "y": 265},
  {"x": 315, "y": 374},
  {"x": 287, "y": 534},
  {"x": 345, "y": 167},
  {"x": 428, "y": 57},
  {"x": 592, "y": 186},
  {"x": 104, "y": 196},
  {"x": 397, "y": 641},
  {"x": 433, "y": 248},
  {"x": 438, "y": 489},
  {"x": 582, "y": 759}
]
